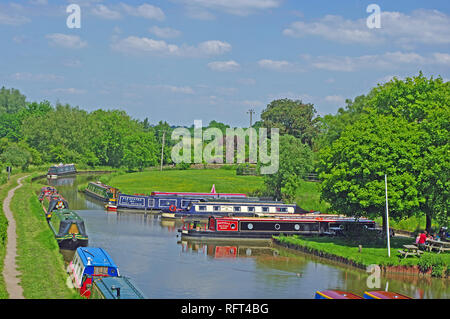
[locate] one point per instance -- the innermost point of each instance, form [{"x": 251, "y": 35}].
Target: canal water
[{"x": 149, "y": 250}]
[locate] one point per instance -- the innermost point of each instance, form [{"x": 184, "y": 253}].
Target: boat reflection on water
[{"x": 219, "y": 250}]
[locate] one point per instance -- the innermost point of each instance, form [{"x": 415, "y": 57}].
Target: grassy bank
[
  {"x": 193, "y": 180},
  {"x": 370, "y": 253},
  {"x": 39, "y": 260}
]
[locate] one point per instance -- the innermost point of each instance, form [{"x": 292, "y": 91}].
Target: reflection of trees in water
[{"x": 417, "y": 287}]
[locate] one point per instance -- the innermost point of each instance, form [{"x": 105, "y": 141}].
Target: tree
[
  {"x": 11, "y": 100},
  {"x": 140, "y": 151},
  {"x": 353, "y": 167},
  {"x": 16, "y": 156},
  {"x": 295, "y": 160},
  {"x": 292, "y": 117},
  {"x": 419, "y": 109}
]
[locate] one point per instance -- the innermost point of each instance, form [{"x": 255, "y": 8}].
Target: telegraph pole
[
  {"x": 251, "y": 112},
  {"x": 162, "y": 149}
]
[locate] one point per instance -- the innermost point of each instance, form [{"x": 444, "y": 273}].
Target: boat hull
[{"x": 70, "y": 244}]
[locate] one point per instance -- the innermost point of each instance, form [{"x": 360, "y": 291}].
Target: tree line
[{"x": 399, "y": 128}]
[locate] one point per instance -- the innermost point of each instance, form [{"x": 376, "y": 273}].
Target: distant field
[{"x": 201, "y": 180}]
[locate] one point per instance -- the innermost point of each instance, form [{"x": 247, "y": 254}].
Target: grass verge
[
  {"x": 43, "y": 274},
  {"x": 370, "y": 253}
]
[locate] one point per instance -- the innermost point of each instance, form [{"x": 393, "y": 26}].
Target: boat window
[
  {"x": 216, "y": 208},
  {"x": 165, "y": 202},
  {"x": 265, "y": 209},
  {"x": 201, "y": 207},
  {"x": 98, "y": 270},
  {"x": 251, "y": 209},
  {"x": 281, "y": 209},
  {"x": 236, "y": 208}
]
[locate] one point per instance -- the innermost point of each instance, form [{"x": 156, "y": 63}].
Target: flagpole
[{"x": 387, "y": 217}]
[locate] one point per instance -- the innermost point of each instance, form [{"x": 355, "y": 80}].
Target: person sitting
[{"x": 422, "y": 240}]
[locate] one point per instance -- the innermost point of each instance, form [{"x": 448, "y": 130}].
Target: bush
[{"x": 438, "y": 265}]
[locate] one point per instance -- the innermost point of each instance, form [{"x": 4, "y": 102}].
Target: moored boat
[
  {"x": 266, "y": 228},
  {"x": 61, "y": 169},
  {"x": 119, "y": 287},
  {"x": 335, "y": 294},
  {"x": 68, "y": 229},
  {"x": 158, "y": 201},
  {"x": 232, "y": 207},
  {"x": 383, "y": 295},
  {"x": 101, "y": 191},
  {"x": 89, "y": 264}
]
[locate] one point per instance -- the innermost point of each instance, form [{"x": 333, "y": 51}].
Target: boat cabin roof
[
  {"x": 109, "y": 285},
  {"x": 252, "y": 202},
  {"x": 94, "y": 256},
  {"x": 66, "y": 214}
]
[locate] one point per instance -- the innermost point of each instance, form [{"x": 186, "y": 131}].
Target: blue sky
[{"x": 186, "y": 60}]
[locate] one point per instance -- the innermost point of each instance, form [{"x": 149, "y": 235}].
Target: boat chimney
[{"x": 117, "y": 289}]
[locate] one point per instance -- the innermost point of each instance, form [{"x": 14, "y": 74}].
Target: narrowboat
[
  {"x": 47, "y": 192},
  {"x": 61, "y": 169},
  {"x": 336, "y": 294},
  {"x": 244, "y": 208},
  {"x": 68, "y": 229},
  {"x": 90, "y": 264},
  {"x": 264, "y": 228},
  {"x": 119, "y": 287},
  {"x": 101, "y": 191},
  {"x": 56, "y": 203},
  {"x": 165, "y": 200},
  {"x": 383, "y": 295}
]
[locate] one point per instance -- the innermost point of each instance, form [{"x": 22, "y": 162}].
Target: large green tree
[
  {"x": 353, "y": 167},
  {"x": 418, "y": 108},
  {"x": 292, "y": 117}
]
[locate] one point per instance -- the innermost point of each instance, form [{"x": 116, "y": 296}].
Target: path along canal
[{"x": 149, "y": 250}]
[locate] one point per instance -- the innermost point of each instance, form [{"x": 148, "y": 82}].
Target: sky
[{"x": 185, "y": 60}]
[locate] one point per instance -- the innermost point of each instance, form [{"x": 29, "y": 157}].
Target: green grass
[
  {"x": 194, "y": 180},
  {"x": 308, "y": 197},
  {"x": 43, "y": 274},
  {"x": 370, "y": 253}
]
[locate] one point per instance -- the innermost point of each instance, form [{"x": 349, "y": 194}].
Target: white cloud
[
  {"x": 13, "y": 19},
  {"x": 236, "y": 7},
  {"x": 224, "y": 66},
  {"x": 104, "y": 12},
  {"x": 336, "y": 99},
  {"x": 72, "y": 91},
  {"x": 145, "y": 11},
  {"x": 137, "y": 45},
  {"x": 388, "y": 60},
  {"x": 66, "y": 41},
  {"x": 164, "y": 32},
  {"x": 419, "y": 27},
  {"x": 278, "y": 65},
  {"x": 175, "y": 89},
  {"x": 26, "y": 76},
  {"x": 38, "y": 2}
]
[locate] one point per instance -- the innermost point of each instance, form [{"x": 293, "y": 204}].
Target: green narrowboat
[
  {"x": 61, "y": 169},
  {"x": 115, "y": 288},
  {"x": 69, "y": 229},
  {"x": 101, "y": 191}
]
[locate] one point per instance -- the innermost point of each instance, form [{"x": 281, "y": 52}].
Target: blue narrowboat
[
  {"x": 89, "y": 264},
  {"x": 159, "y": 201}
]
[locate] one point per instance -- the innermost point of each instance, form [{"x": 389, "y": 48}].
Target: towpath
[{"x": 10, "y": 272}]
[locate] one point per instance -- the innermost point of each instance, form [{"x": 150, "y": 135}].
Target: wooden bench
[{"x": 410, "y": 250}]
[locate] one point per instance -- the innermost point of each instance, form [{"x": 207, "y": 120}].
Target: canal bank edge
[{"x": 401, "y": 269}]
